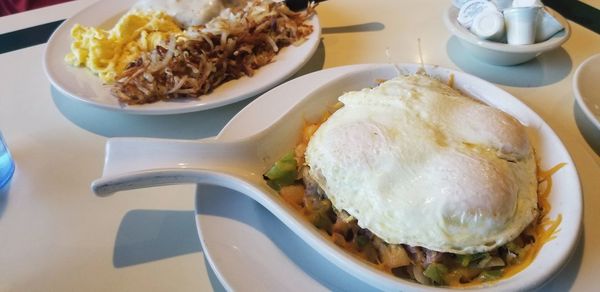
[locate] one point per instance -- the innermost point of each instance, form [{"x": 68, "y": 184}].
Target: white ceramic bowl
[
  {"x": 587, "y": 88},
  {"x": 500, "y": 53}
]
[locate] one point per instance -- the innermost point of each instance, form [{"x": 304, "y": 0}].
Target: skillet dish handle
[{"x": 132, "y": 163}]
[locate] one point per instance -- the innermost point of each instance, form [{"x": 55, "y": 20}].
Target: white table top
[{"x": 55, "y": 235}]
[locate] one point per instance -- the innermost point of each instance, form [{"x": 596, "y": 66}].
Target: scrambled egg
[{"x": 107, "y": 52}]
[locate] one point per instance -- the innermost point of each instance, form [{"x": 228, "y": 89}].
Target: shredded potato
[{"x": 232, "y": 45}]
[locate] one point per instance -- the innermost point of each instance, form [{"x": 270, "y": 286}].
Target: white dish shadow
[{"x": 81, "y": 85}]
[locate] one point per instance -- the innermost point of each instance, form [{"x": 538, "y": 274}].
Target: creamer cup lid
[
  {"x": 471, "y": 8},
  {"x": 488, "y": 25}
]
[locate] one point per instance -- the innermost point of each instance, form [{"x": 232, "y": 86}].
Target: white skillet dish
[
  {"x": 133, "y": 163},
  {"x": 82, "y": 85}
]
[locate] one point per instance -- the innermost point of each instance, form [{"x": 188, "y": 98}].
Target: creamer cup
[
  {"x": 488, "y": 25},
  {"x": 521, "y": 24},
  {"x": 470, "y": 9},
  {"x": 547, "y": 26}
]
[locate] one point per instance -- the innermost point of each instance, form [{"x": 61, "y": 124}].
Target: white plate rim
[
  {"x": 569, "y": 176},
  {"x": 62, "y": 76}
]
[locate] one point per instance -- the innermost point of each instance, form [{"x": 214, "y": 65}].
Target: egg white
[{"x": 418, "y": 163}]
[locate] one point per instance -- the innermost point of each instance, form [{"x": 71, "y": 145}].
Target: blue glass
[{"x": 7, "y": 166}]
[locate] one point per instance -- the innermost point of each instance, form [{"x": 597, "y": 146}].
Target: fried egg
[{"x": 418, "y": 163}]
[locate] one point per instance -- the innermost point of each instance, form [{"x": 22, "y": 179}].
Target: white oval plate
[
  {"x": 82, "y": 85},
  {"x": 251, "y": 251},
  {"x": 587, "y": 88}
]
